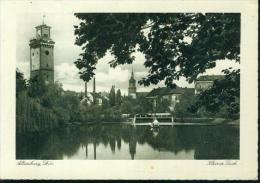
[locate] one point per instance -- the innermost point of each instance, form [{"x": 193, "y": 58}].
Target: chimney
[
  {"x": 86, "y": 89},
  {"x": 94, "y": 85}
]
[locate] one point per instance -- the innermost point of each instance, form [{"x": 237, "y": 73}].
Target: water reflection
[{"x": 127, "y": 142}]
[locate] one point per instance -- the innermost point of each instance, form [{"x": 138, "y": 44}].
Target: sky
[{"x": 66, "y": 52}]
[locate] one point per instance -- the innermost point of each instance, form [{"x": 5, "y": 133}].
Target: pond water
[{"x": 114, "y": 142}]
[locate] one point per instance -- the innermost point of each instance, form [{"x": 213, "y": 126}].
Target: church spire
[
  {"x": 132, "y": 74},
  {"x": 132, "y": 87}
]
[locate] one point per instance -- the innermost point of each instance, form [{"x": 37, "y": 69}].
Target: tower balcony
[{"x": 41, "y": 41}]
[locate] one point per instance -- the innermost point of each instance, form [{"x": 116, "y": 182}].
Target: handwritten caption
[
  {"x": 35, "y": 163},
  {"x": 222, "y": 163}
]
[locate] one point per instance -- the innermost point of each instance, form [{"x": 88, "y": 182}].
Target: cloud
[
  {"x": 67, "y": 74},
  {"x": 221, "y": 65}
]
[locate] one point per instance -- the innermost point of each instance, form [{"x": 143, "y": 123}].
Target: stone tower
[
  {"x": 41, "y": 54},
  {"x": 132, "y": 86}
]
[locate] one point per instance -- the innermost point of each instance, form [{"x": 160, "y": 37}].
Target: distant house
[
  {"x": 173, "y": 95},
  {"x": 94, "y": 98},
  {"x": 87, "y": 99},
  {"x": 205, "y": 82}
]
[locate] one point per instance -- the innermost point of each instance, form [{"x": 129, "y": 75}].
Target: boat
[{"x": 155, "y": 123}]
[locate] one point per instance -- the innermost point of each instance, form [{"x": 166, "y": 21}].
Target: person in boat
[{"x": 155, "y": 123}]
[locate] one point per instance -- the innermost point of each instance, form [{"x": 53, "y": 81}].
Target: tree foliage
[
  {"x": 20, "y": 82},
  {"x": 162, "y": 105},
  {"x": 31, "y": 115},
  {"x": 43, "y": 107},
  {"x": 118, "y": 97},
  {"x": 182, "y": 108},
  {"x": 174, "y": 44},
  {"x": 112, "y": 96},
  {"x": 36, "y": 87},
  {"x": 140, "y": 105},
  {"x": 224, "y": 94}
]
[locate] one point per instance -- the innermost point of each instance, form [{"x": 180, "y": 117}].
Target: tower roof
[
  {"x": 42, "y": 25},
  {"x": 42, "y": 36},
  {"x": 132, "y": 76}
]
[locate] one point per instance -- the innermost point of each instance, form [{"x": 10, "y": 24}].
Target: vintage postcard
[{"x": 129, "y": 90}]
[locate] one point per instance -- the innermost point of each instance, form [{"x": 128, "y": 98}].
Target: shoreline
[{"x": 178, "y": 121}]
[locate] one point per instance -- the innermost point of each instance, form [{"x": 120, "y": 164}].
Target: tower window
[
  {"x": 47, "y": 65},
  {"x": 47, "y": 52}
]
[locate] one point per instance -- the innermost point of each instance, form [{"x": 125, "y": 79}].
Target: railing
[
  {"x": 148, "y": 118},
  {"x": 154, "y": 115}
]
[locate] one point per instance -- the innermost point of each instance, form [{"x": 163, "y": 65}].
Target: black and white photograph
[
  {"x": 128, "y": 86},
  {"x": 111, "y": 84}
]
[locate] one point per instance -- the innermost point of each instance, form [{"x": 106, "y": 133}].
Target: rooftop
[
  {"x": 167, "y": 91},
  {"x": 210, "y": 77},
  {"x": 42, "y": 25},
  {"x": 142, "y": 94}
]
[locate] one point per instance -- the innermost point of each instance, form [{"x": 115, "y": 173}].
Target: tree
[
  {"x": 174, "y": 44},
  {"x": 20, "y": 82},
  {"x": 41, "y": 106},
  {"x": 162, "y": 105},
  {"x": 145, "y": 104},
  {"x": 105, "y": 102},
  {"x": 69, "y": 102},
  {"x": 112, "y": 97},
  {"x": 52, "y": 95},
  {"x": 224, "y": 93},
  {"x": 127, "y": 107},
  {"x": 118, "y": 97},
  {"x": 182, "y": 109},
  {"x": 36, "y": 87}
]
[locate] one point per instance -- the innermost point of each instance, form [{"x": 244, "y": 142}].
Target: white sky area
[{"x": 66, "y": 52}]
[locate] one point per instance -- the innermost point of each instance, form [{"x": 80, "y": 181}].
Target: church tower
[
  {"x": 41, "y": 54},
  {"x": 132, "y": 86}
]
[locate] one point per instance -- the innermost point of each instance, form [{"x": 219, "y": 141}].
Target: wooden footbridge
[
  {"x": 163, "y": 118},
  {"x": 166, "y": 119}
]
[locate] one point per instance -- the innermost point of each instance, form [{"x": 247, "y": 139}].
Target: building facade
[
  {"x": 41, "y": 54},
  {"x": 172, "y": 95},
  {"x": 132, "y": 86},
  {"x": 203, "y": 83}
]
